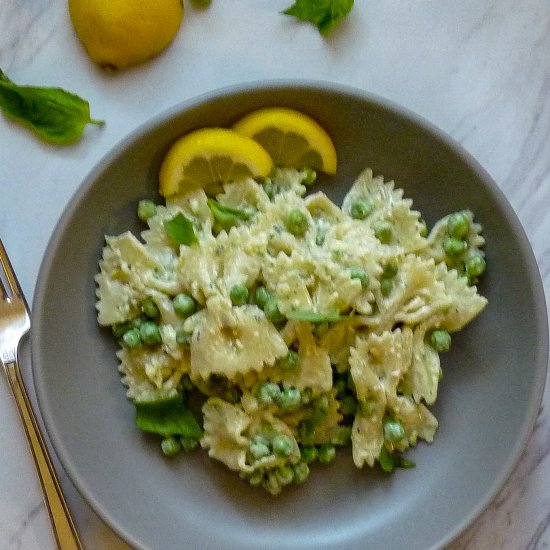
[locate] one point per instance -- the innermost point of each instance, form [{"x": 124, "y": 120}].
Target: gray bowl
[{"x": 489, "y": 397}]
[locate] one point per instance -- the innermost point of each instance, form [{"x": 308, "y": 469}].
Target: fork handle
[{"x": 62, "y": 523}]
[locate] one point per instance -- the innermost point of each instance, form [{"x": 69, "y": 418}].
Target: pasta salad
[{"x": 272, "y": 327}]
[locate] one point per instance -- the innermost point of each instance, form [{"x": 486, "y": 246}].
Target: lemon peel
[
  {"x": 209, "y": 157},
  {"x": 119, "y": 33},
  {"x": 292, "y": 138}
]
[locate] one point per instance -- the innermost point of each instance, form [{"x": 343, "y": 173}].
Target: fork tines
[{"x": 9, "y": 286}]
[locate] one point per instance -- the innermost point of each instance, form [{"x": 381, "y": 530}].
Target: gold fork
[{"x": 14, "y": 324}]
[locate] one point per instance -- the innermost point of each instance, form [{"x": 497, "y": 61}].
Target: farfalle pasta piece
[
  {"x": 229, "y": 431},
  {"x": 377, "y": 363},
  {"x": 125, "y": 267},
  {"x": 230, "y": 341},
  {"x": 439, "y": 232},
  {"x": 417, "y": 293},
  {"x": 416, "y": 419},
  {"x": 224, "y": 427},
  {"x": 383, "y": 195},
  {"x": 244, "y": 194},
  {"x": 195, "y": 206},
  {"x": 467, "y": 304},
  {"x": 313, "y": 370},
  {"x": 421, "y": 381},
  {"x": 199, "y": 269},
  {"x": 150, "y": 375}
]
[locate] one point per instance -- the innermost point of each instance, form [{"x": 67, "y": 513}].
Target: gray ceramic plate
[{"x": 490, "y": 393}]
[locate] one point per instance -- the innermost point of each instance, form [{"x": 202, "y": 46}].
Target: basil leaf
[
  {"x": 325, "y": 14},
  {"x": 53, "y": 114},
  {"x": 314, "y": 316},
  {"x": 167, "y": 417},
  {"x": 181, "y": 230},
  {"x": 227, "y": 216}
]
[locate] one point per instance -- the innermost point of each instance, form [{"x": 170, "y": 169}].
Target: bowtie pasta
[{"x": 272, "y": 327}]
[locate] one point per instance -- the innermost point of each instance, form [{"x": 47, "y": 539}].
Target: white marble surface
[{"x": 478, "y": 69}]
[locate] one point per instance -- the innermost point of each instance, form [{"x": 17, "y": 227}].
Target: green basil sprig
[
  {"x": 53, "y": 114},
  {"x": 324, "y": 14}
]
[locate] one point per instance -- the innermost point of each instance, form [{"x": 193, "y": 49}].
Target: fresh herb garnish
[
  {"x": 325, "y": 14},
  {"x": 167, "y": 417},
  {"x": 181, "y": 230},
  {"x": 53, "y": 114},
  {"x": 226, "y": 216},
  {"x": 314, "y": 316}
]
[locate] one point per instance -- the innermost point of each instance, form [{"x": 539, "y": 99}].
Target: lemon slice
[
  {"x": 293, "y": 139},
  {"x": 209, "y": 157}
]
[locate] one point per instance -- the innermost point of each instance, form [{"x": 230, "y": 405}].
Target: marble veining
[{"x": 477, "y": 69}]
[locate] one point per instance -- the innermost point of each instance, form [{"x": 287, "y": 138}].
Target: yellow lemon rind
[
  {"x": 208, "y": 143},
  {"x": 293, "y": 122}
]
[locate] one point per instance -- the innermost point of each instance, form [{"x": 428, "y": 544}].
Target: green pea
[
  {"x": 393, "y": 431},
  {"x": 170, "y": 446},
  {"x": 297, "y": 222},
  {"x": 301, "y": 472},
  {"x": 271, "y": 310},
  {"x": 132, "y": 338},
  {"x": 290, "y": 397},
  {"x": 348, "y": 405},
  {"x": 390, "y": 269},
  {"x": 361, "y": 275},
  {"x": 184, "y": 305},
  {"x": 150, "y": 333},
  {"x": 309, "y": 175},
  {"x": 321, "y": 406},
  {"x": 138, "y": 321},
  {"x": 453, "y": 247},
  {"x": 340, "y": 386},
  {"x": 183, "y": 338},
  {"x": 440, "y": 340},
  {"x": 475, "y": 265},
  {"x": 150, "y": 308},
  {"x": 458, "y": 225},
  {"x": 386, "y": 287},
  {"x": 282, "y": 445},
  {"x": 261, "y": 296},
  {"x": 256, "y": 478},
  {"x": 383, "y": 231},
  {"x": 342, "y": 436},
  {"x": 120, "y": 329},
  {"x": 146, "y": 209},
  {"x": 289, "y": 361},
  {"x": 269, "y": 392},
  {"x": 361, "y": 209},
  {"x": 188, "y": 443},
  {"x": 285, "y": 475},
  {"x": 326, "y": 453},
  {"x": 308, "y": 453},
  {"x": 238, "y": 295},
  {"x": 259, "y": 447}
]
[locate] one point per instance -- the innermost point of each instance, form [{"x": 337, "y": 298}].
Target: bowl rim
[{"x": 46, "y": 266}]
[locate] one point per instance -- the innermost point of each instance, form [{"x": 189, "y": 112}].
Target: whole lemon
[{"x": 118, "y": 33}]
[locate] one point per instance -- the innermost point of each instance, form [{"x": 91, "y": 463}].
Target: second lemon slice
[
  {"x": 209, "y": 157},
  {"x": 292, "y": 138}
]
